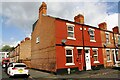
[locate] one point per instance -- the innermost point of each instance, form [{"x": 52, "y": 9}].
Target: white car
[{"x": 15, "y": 69}]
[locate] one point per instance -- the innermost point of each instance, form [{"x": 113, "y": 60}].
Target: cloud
[
  {"x": 111, "y": 20},
  {"x": 20, "y": 14},
  {"x": 12, "y": 44},
  {"x": 94, "y": 12},
  {"x": 24, "y": 14}
]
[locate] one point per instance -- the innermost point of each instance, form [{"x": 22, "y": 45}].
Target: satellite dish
[
  {"x": 105, "y": 45},
  {"x": 63, "y": 41}
]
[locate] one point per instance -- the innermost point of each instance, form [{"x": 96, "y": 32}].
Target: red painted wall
[
  {"x": 100, "y": 56},
  {"x": 87, "y": 37},
  {"x": 61, "y": 33},
  {"x": 61, "y": 58}
]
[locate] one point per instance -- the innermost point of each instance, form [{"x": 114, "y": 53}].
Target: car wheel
[{"x": 10, "y": 75}]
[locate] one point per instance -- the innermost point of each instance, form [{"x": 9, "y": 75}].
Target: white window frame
[
  {"x": 93, "y": 35},
  {"x": 117, "y": 54},
  {"x": 37, "y": 40},
  {"x": 69, "y": 48},
  {"x": 118, "y": 38},
  {"x": 71, "y": 25},
  {"x": 96, "y": 49},
  {"x": 109, "y": 55},
  {"x": 107, "y": 33}
]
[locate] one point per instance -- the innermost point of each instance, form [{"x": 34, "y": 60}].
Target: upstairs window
[
  {"x": 92, "y": 34},
  {"x": 107, "y": 38},
  {"x": 70, "y": 31},
  {"x": 37, "y": 40}
]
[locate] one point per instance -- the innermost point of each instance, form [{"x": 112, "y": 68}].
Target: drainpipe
[
  {"x": 114, "y": 45},
  {"x": 83, "y": 42}
]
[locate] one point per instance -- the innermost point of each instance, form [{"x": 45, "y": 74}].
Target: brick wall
[
  {"x": 43, "y": 53},
  {"x": 25, "y": 50}
]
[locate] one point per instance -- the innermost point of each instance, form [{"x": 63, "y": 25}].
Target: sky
[{"x": 16, "y": 18}]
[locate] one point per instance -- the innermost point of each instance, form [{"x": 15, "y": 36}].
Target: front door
[
  {"x": 79, "y": 59},
  {"x": 87, "y": 59}
]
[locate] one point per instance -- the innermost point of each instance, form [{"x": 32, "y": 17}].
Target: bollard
[{"x": 68, "y": 70}]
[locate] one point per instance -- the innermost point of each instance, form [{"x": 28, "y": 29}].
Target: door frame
[
  {"x": 88, "y": 67},
  {"x": 80, "y": 64}
]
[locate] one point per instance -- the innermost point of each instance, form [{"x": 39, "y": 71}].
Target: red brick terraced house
[
  {"x": 60, "y": 45},
  {"x": 116, "y": 54},
  {"x": 22, "y": 52}
]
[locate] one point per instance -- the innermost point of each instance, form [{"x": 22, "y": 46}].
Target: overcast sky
[{"x": 17, "y": 17}]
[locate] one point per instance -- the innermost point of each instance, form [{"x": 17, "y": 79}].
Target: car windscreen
[{"x": 19, "y": 65}]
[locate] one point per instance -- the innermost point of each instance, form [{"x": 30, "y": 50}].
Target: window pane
[
  {"x": 70, "y": 28},
  {"x": 95, "y": 55},
  {"x": 95, "y": 52},
  {"x": 91, "y": 32},
  {"x": 68, "y": 52},
  {"x": 108, "y": 58},
  {"x": 108, "y": 55},
  {"x": 95, "y": 58},
  {"x": 107, "y": 38},
  {"x": 116, "y": 52},
  {"x": 79, "y": 51},
  {"x": 92, "y": 38},
  {"x": 70, "y": 34},
  {"x": 68, "y": 59}
]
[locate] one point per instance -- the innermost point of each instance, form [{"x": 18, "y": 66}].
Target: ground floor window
[
  {"x": 108, "y": 55},
  {"x": 69, "y": 55},
  {"x": 95, "y": 55},
  {"x": 116, "y": 52}
]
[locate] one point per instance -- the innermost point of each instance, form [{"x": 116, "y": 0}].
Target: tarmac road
[{"x": 110, "y": 74}]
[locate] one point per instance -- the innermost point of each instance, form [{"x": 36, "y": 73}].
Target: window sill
[
  {"x": 96, "y": 62},
  {"x": 71, "y": 38},
  {"x": 92, "y": 41},
  {"x": 109, "y": 61},
  {"x": 69, "y": 64},
  {"x": 108, "y": 42}
]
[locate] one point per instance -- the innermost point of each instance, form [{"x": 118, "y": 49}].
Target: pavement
[{"x": 102, "y": 73}]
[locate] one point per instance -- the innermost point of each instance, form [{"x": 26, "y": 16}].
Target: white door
[
  {"x": 87, "y": 59},
  {"x": 114, "y": 56}
]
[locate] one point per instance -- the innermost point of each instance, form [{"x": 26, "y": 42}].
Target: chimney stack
[
  {"x": 79, "y": 19},
  {"x": 27, "y": 38},
  {"x": 22, "y": 41},
  {"x": 43, "y": 9},
  {"x": 103, "y": 26},
  {"x": 115, "y": 30}
]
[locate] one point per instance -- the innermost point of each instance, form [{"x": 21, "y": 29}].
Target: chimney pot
[
  {"x": 22, "y": 41},
  {"x": 115, "y": 29},
  {"x": 79, "y": 19},
  {"x": 27, "y": 38},
  {"x": 103, "y": 26},
  {"x": 43, "y": 9}
]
